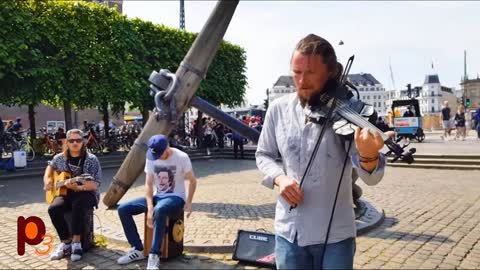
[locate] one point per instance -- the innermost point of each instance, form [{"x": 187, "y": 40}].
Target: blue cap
[{"x": 156, "y": 146}]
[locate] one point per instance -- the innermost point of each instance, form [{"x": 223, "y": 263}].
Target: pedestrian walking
[
  {"x": 460, "y": 123},
  {"x": 446, "y": 120}
]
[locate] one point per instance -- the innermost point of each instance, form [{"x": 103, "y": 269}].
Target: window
[
  {"x": 433, "y": 109},
  {"x": 433, "y": 93},
  {"x": 374, "y": 97},
  {"x": 433, "y": 100}
]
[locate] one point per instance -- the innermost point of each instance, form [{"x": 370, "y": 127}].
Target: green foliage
[{"x": 91, "y": 56}]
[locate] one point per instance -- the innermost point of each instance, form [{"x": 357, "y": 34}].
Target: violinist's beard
[
  {"x": 313, "y": 100},
  {"x": 309, "y": 100}
]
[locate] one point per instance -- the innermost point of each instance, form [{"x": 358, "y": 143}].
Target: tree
[
  {"x": 24, "y": 69},
  {"x": 76, "y": 55}
]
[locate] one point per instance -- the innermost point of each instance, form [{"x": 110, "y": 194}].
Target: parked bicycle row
[{"x": 48, "y": 144}]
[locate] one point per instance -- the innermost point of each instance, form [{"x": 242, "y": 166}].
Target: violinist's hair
[{"x": 315, "y": 45}]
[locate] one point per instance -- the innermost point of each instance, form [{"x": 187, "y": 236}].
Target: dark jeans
[
  {"x": 221, "y": 140},
  {"x": 78, "y": 203},
  {"x": 163, "y": 206},
  {"x": 237, "y": 144},
  {"x": 291, "y": 256}
]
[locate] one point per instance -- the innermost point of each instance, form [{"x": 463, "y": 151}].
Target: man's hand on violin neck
[
  {"x": 289, "y": 190},
  {"x": 369, "y": 142}
]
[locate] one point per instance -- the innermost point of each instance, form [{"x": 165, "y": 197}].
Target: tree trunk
[
  {"x": 31, "y": 118},
  {"x": 106, "y": 120},
  {"x": 67, "y": 108}
]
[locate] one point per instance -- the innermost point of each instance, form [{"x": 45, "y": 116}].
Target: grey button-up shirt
[{"x": 286, "y": 131}]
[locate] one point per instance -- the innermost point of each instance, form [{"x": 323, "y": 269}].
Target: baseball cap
[{"x": 156, "y": 146}]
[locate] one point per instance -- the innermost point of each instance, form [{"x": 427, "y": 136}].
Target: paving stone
[{"x": 424, "y": 221}]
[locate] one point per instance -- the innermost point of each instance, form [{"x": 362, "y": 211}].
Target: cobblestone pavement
[{"x": 432, "y": 218}]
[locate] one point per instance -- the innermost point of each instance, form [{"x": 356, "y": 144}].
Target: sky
[{"x": 407, "y": 36}]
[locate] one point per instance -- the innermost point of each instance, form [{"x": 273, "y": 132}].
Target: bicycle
[
  {"x": 49, "y": 146},
  {"x": 93, "y": 145},
  {"x": 17, "y": 141}
]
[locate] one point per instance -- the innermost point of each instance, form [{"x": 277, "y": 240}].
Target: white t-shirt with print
[{"x": 169, "y": 174}]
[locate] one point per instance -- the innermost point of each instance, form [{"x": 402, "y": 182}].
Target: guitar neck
[{"x": 62, "y": 183}]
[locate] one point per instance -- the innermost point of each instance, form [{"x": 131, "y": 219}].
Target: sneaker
[
  {"x": 62, "y": 250},
  {"x": 76, "y": 252},
  {"x": 131, "y": 256},
  {"x": 153, "y": 262}
]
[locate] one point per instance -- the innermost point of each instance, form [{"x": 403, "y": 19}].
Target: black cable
[
  {"x": 315, "y": 149},
  {"x": 334, "y": 204}
]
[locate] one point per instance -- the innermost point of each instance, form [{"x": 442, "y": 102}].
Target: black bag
[{"x": 255, "y": 247}]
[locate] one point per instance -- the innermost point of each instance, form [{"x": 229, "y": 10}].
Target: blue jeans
[
  {"x": 163, "y": 207},
  {"x": 291, "y": 256}
]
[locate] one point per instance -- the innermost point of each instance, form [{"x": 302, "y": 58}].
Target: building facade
[
  {"x": 471, "y": 90},
  {"x": 371, "y": 91},
  {"x": 283, "y": 86},
  {"x": 433, "y": 95},
  {"x": 45, "y": 114}
]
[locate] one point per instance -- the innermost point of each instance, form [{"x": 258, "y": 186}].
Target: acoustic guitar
[{"x": 59, "y": 182}]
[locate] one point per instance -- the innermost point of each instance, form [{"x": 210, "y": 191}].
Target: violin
[{"x": 337, "y": 104}]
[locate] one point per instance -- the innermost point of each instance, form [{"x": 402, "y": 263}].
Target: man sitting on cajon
[{"x": 167, "y": 168}]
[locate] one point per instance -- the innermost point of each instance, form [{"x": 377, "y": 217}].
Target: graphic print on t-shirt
[{"x": 165, "y": 178}]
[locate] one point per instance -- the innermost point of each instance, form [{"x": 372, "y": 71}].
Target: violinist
[{"x": 301, "y": 232}]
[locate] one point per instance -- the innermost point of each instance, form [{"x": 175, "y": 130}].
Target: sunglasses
[{"x": 75, "y": 140}]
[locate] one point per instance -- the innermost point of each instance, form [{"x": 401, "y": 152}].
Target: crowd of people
[
  {"x": 215, "y": 134},
  {"x": 459, "y": 122}
]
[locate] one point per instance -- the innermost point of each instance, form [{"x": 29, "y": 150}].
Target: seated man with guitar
[{"x": 71, "y": 181}]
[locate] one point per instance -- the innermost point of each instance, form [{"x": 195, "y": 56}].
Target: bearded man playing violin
[{"x": 301, "y": 231}]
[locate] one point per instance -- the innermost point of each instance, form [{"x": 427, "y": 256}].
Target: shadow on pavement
[
  {"x": 390, "y": 222},
  {"x": 236, "y": 211},
  {"x": 105, "y": 258},
  {"x": 203, "y": 168}
]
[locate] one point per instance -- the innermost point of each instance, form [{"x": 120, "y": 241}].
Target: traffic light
[{"x": 467, "y": 103}]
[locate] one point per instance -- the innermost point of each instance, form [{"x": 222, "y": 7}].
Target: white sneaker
[
  {"x": 77, "y": 252},
  {"x": 153, "y": 262},
  {"x": 62, "y": 250},
  {"x": 131, "y": 256}
]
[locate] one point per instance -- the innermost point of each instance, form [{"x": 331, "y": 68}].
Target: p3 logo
[{"x": 32, "y": 231}]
